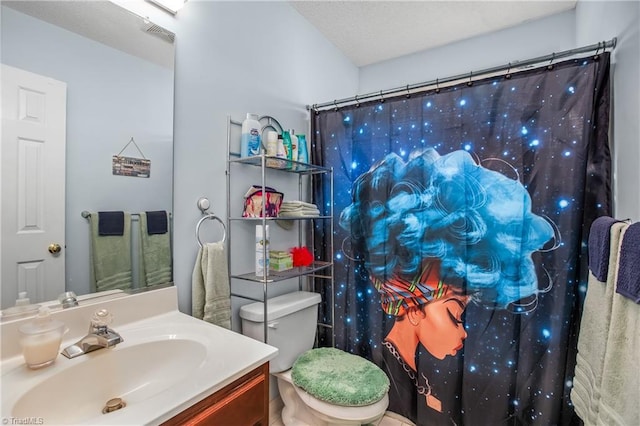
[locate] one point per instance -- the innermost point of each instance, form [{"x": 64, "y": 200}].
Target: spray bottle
[{"x": 262, "y": 250}]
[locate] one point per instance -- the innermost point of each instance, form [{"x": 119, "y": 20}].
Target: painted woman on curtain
[{"x": 435, "y": 234}]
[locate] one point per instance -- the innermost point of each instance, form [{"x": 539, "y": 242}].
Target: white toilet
[{"x": 292, "y": 322}]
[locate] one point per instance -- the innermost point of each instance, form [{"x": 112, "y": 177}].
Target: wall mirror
[{"x": 118, "y": 69}]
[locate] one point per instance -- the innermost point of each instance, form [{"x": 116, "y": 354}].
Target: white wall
[
  {"x": 233, "y": 58},
  {"x": 111, "y": 97},
  {"x": 529, "y": 40},
  {"x": 603, "y": 20}
]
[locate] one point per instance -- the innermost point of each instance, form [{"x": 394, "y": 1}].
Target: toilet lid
[{"x": 339, "y": 378}]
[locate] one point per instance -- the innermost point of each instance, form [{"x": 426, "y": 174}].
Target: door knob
[{"x": 54, "y": 248}]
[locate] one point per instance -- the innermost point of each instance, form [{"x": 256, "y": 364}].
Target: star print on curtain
[{"x": 460, "y": 225}]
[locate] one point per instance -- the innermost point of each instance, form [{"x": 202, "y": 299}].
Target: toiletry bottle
[
  {"x": 288, "y": 148},
  {"x": 262, "y": 250},
  {"x": 294, "y": 145},
  {"x": 281, "y": 153},
  {"x": 22, "y": 299},
  {"x": 303, "y": 149},
  {"x": 250, "y": 140},
  {"x": 272, "y": 147},
  {"x": 272, "y": 143},
  {"x": 40, "y": 339},
  {"x": 23, "y": 308}
]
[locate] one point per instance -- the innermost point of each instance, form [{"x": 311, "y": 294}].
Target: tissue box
[{"x": 280, "y": 260}]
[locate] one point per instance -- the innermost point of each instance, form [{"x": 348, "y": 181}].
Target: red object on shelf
[{"x": 301, "y": 256}]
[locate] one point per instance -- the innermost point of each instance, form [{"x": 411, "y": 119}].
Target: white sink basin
[
  {"x": 165, "y": 364},
  {"x": 133, "y": 373}
]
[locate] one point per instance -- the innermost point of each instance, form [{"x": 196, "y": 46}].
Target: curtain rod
[
  {"x": 87, "y": 214},
  {"x": 411, "y": 88}
]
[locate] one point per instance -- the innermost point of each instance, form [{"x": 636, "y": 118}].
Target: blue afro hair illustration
[{"x": 476, "y": 221}]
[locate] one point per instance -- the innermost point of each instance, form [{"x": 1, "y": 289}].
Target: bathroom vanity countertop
[{"x": 219, "y": 357}]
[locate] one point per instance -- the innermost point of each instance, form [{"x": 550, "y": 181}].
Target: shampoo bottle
[
  {"x": 288, "y": 148},
  {"x": 303, "y": 149},
  {"x": 262, "y": 250},
  {"x": 250, "y": 140}
]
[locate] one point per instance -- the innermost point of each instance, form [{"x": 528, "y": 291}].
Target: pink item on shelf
[{"x": 254, "y": 198}]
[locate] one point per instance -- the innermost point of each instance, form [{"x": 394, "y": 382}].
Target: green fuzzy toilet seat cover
[{"x": 339, "y": 378}]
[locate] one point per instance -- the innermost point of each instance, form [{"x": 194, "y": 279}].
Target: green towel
[
  {"x": 111, "y": 257},
  {"x": 211, "y": 294},
  {"x": 155, "y": 264}
]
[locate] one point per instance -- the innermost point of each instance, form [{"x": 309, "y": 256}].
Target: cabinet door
[{"x": 244, "y": 402}]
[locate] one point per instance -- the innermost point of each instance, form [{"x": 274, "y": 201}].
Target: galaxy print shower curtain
[{"x": 461, "y": 217}]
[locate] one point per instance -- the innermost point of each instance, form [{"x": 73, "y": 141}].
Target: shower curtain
[{"x": 461, "y": 217}]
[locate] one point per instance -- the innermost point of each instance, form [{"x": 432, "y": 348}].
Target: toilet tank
[{"x": 292, "y": 320}]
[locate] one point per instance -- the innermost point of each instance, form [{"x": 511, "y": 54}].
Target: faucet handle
[{"x": 101, "y": 318}]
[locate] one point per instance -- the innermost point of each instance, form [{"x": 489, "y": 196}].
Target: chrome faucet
[{"x": 99, "y": 336}]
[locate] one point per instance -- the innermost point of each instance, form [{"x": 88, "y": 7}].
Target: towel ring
[{"x": 212, "y": 217}]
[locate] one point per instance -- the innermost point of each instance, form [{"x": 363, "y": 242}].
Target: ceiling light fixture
[{"x": 171, "y": 6}]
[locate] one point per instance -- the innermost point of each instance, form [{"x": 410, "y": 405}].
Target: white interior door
[{"x": 32, "y": 167}]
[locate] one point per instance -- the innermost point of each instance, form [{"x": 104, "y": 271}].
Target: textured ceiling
[
  {"x": 373, "y": 31},
  {"x": 365, "y": 31},
  {"x": 105, "y": 22}
]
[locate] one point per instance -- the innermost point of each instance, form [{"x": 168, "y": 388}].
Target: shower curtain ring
[
  {"x": 595, "y": 56},
  {"x": 408, "y": 95},
  {"x": 437, "y": 86},
  {"x": 508, "y": 74},
  {"x": 381, "y": 97},
  {"x": 550, "y": 66},
  {"x": 357, "y": 102},
  {"x": 335, "y": 105},
  {"x": 470, "y": 82}
]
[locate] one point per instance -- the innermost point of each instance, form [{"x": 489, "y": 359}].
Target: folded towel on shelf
[
  {"x": 157, "y": 222},
  {"x": 628, "y": 283},
  {"x": 296, "y": 204},
  {"x": 211, "y": 295},
  {"x": 155, "y": 266},
  {"x": 298, "y": 209},
  {"x": 620, "y": 380},
  {"x": 301, "y": 213},
  {"x": 111, "y": 256},
  {"x": 110, "y": 223},
  {"x": 594, "y": 330},
  {"x": 599, "y": 239}
]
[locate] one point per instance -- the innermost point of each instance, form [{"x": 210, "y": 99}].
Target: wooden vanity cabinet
[{"x": 245, "y": 402}]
